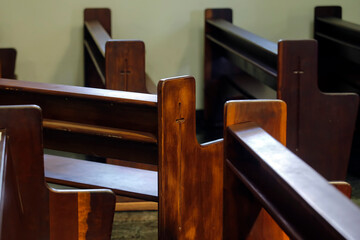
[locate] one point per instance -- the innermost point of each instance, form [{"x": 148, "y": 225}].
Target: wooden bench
[
  {"x": 339, "y": 61},
  {"x": 252, "y": 67},
  {"x": 259, "y": 172},
  {"x": 154, "y": 129},
  {"x": 7, "y": 63},
  {"x": 339, "y": 50},
  {"x": 112, "y": 63},
  {"x": 29, "y": 209}
]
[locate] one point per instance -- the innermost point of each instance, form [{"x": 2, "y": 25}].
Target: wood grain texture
[
  {"x": 271, "y": 115},
  {"x": 316, "y": 120},
  {"x": 111, "y": 63},
  {"x": 38, "y": 212},
  {"x": 285, "y": 182},
  {"x": 190, "y": 175},
  {"x": 254, "y": 67}
]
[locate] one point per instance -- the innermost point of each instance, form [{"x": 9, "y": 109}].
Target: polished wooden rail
[
  {"x": 260, "y": 172},
  {"x": 239, "y": 64}
]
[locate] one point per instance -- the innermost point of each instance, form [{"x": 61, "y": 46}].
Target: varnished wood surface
[
  {"x": 315, "y": 120},
  {"x": 190, "y": 175},
  {"x": 111, "y": 63},
  {"x": 7, "y": 62},
  {"x": 125, "y": 181},
  {"x": 270, "y": 115},
  {"x": 281, "y": 170},
  {"x": 45, "y": 214},
  {"x": 74, "y": 91}
]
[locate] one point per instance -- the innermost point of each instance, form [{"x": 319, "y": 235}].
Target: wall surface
[{"x": 48, "y": 34}]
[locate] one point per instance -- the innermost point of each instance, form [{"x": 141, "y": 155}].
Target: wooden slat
[
  {"x": 75, "y": 91},
  {"x": 101, "y": 131},
  {"x": 124, "y": 181},
  {"x": 99, "y": 35}
]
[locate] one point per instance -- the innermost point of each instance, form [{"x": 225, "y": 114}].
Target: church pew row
[
  {"x": 339, "y": 50},
  {"x": 112, "y": 63},
  {"x": 154, "y": 129},
  {"x": 190, "y": 214},
  {"x": 29, "y": 209},
  {"x": 7, "y": 62},
  {"x": 259, "y": 172},
  {"x": 339, "y": 61},
  {"x": 239, "y": 64}
]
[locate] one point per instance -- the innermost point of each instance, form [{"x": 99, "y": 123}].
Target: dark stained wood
[
  {"x": 7, "y": 63},
  {"x": 110, "y": 63},
  {"x": 175, "y": 145},
  {"x": 37, "y": 211},
  {"x": 339, "y": 61},
  {"x": 267, "y": 174},
  {"x": 258, "y": 68},
  {"x": 316, "y": 120}
]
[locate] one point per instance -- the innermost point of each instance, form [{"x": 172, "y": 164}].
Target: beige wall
[{"x": 48, "y": 33}]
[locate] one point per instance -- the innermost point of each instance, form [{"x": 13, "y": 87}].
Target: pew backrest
[
  {"x": 158, "y": 129},
  {"x": 110, "y": 63},
  {"x": 258, "y": 68},
  {"x": 31, "y": 209},
  {"x": 261, "y": 172}
]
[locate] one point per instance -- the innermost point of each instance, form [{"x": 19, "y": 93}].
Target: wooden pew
[
  {"x": 184, "y": 200},
  {"x": 155, "y": 129},
  {"x": 339, "y": 61},
  {"x": 111, "y": 63},
  {"x": 259, "y": 172},
  {"x": 339, "y": 50},
  {"x": 252, "y": 67},
  {"x": 7, "y": 63},
  {"x": 29, "y": 209}
]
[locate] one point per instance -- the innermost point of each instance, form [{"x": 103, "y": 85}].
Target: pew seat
[
  {"x": 124, "y": 181},
  {"x": 29, "y": 209}
]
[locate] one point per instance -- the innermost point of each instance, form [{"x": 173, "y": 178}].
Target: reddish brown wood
[
  {"x": 7, "y": 63},
  {"x": 317, "y": 121},
  {"x": 264, "y": 173},
  {"x": 288, "y": 71},
  {"x": 176, "y": 139},
  {"x": 125, "y": 65},
  {"x": 124, "y": 181},
  {"x": 271, "y": 115},
  {"x": 109, "y": 63},
  {"x": 35, "y": 204},
  {"x": 190, "y": 175}
]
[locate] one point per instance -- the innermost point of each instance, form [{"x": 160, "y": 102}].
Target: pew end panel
[
  {"x": 266, "y": 174},
  {"x": 7, "y": 63},
  {"x": 33, "y": 195},
  {"x": 319, "y": 120},
  {"x": 110, "y": 63},
  {"x": 186, "y": 195},
  {"x": 125, "y": 65}
]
